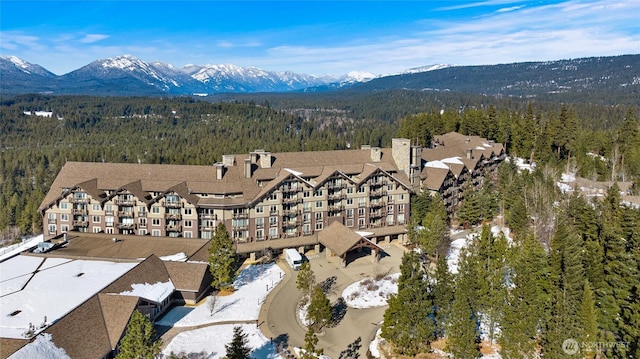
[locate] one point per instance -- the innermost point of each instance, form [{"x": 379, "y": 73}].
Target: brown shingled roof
[
  {"x": 187, "y": 276},
  {"x": 8, "y": 346},
  {"x": 340, "y": 239},
  {"x": 117, "y": 310}
]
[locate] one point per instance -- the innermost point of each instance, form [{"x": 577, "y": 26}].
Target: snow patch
[
  {"x": 370, "y": 293},
  {"x": 157, "y": 292},
  {"x": 41, "y": 347}
]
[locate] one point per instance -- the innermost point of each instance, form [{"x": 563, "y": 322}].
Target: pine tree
[
  {"x": 462, "y": 328},
  {"x": 222, "y": 258},
  {"x": 306, "y": 279},
  {"x": 443, "y": 289},
  {"x": 527, "y": 299},
  {"x": 138, "y": 341},
  {"x": 319, "y": 311},
  {"x": 409, "y": 320},
  {"x": 310, "y": 342},
  {"x": 588, "y": 320},
  {"x": 238, "y": 347}
]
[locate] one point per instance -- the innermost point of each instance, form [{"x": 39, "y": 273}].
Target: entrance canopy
[{"x": 341, "y": 240}]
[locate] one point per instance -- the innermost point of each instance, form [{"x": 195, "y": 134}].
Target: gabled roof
[
  {"x": 187, "y": 276},
  {"x": 435, "y": 177},
  {"x": 135, "y": 188},
  {"x": 340, "y": 239},
  {"x": 117, "y": 310}
]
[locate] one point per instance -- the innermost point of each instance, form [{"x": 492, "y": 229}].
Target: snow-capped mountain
[
  {"x": 416, "y": 70},
  {"x": 10, "y": 63},
  {"x": 127, "y": 74},
  {"x": 357, "y": 76}
]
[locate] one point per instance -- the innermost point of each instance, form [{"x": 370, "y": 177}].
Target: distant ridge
[{"x": 127, "y": 75}]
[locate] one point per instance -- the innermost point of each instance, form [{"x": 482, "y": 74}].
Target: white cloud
[
  {"x": 91, "y": 38},
  {"x": 512, "y": 8},
  {"x": 479, "y": 4}
]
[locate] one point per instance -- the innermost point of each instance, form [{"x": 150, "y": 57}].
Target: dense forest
[
  {"x": 188, "y": 131},
  {"x": 570, "y": 270}
]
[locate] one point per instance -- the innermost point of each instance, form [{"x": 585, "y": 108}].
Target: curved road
[{"x": 356, "y": 329}]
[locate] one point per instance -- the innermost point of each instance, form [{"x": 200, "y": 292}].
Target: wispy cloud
[
  {"x": 91, "y": 38},
  {"x": 512, "y": 8},
  {"x": 478, "y": 4},
  {"x": 230, "y": 44}
]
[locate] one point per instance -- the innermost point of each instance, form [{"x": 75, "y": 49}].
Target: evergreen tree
[
  {"x": 222, "y": 258},
  {"x": 319, "y": 311},
  {"x": 409, "y": 320},
  {"x": 462, "y": 329},
  {"x": 306, "y": 279},
  {"x": 138, "y": 341},
  {"x": 310, "y": 342},
  {"x": 588, "y": 320},
  {"x": 527, "y": 299},
  {"x": 443, "y": 289},
  {"x": 238, "y": 347}
]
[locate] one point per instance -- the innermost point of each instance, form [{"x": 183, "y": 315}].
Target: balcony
[
  {"x": 290, "y": 212},
  {"x": 290, "y": 224},
  {"x": 126, "y": 226},
  {"x": 207, "y": 216},
  {"x": 173, "y": 216},
  {"x": 78, "y": 200},
  {"x": 290, "y": 200},
  {"x": 126, "y": 202},
  {"x": 377, "y": 204},
  {"x": 79, "y": 211},
  {"x": 377, "y": 192},
  {"x": 238, "y": 215},
  {"x": 81, "y": 223},
  {"x": 336, "y": 208},
  {"x": 109, "y": 213},
  {"x": 125, "y": 214},
  {"x": 332, "y": 185},
  {"x": 142, "y": 214},
  {"x": 337, "y": 196},
  {"x": 376, "y": 214},
  {"x": 51, "y": 221},
  {"x": 174, "y": 228},
  {"x": 288, "y": 189},
  {"x": 173, "y": 204}
]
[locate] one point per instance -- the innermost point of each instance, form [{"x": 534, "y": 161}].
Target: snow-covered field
[
  {"x": 212, "y": 340},
  {"x": 252, "y": 286},
  {"x": 370, "y": 293}
]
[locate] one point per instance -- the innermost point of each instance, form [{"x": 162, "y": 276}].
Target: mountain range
[{"x": 128, "y": 76}]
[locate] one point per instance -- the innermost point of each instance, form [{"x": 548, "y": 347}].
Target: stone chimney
[
  {"x": 376, "y": 154},
  {"x": 365, "y": 147},
  {"x": 265, "y": 160},
  {"x": 219, "y": 170},
  {"x": 469, "y": 153},
  {"x": 247, "y": 168},
  {"x": 401, "y": 153},
  {"x": 228, "y": 160},
  {"x": 253, "y": 157}
]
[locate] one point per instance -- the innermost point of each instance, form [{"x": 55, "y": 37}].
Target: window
[
  {"x": 187, "y": 211},
  {"x": 400, "y": 218},
  {"x": 155, "y": 209},
  {"x": 318, "y": 192},
  {"x": 391, "y": 187},
  {"x": 188, "y": 223},
  {"x": 143, "y": 222},
  {"x": 390, "y": 220},
  {"x": 273, "y": 196},
  {"x": 108, "y": 209},
  {"x": 52, "y": 217},
  {"x": 259, "y": 209},
  {"x": 96, "y": 207},
  {"x": 306, "y": 217},
  {"x": 350, "y": 213},
  {"x": 64, "y": 217},
  {"x": 273, "y": 232},
  {"x": 259, "y": 222},
  {"x": 108, "y": 220},
  {"x": 188, "y": 234},
  {"x": 259, "y": 234},
  {"x": 95, "y": 219},
  {"x": 155, "y": 233},
  {"x": 306, "y": 207},
  {"x": 349, "y": 190},
  {"x": 361, "y": 202},
  {"x": 389, "y": 209},
  {"x": 349, "y": 222},
  {"x": 52, "y": 229},
  {"x": 273, "y": 221},
  {"x": 361, "y": 223},
  {"x": 361, "y": 189},
  {"x": 155, "y": 221},
  {"x": 349, "y": 201},
  {"x": 360, "y": 212},
  {"x": 306, "y": 229},
  {"x": 401, "y": 197},
  {"x": 401, "y": 208},
  {"x": 306, "y": 194},
  {"x": 64, "y": 205},
  {"x": 319, "y": 226},
  {"x": 273, "y": 209},
  {"x": 319, "y": 216},
  {"x": 64, "y": 228},
  {"x": 109, "y": 230},
  {"x": 97, "y": 229},
  {"x": 142, "y": 232},
  {"x": 318, "y": 204}
]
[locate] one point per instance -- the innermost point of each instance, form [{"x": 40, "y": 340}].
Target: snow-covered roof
[
  {"x": 38, "y": 290},
  {"x": 156, "y": 292},
  {"x": 437, "y": 164}
]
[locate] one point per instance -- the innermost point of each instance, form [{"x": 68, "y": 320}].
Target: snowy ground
[
  {"x": 14, "y": 249},
  {"x": 252, "y": 287},
  {"x": 370, "y": 293},
  {"x": 212, "y": 340}
]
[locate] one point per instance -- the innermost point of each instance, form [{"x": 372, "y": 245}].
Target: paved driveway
[{"x": 358, "y": 326}]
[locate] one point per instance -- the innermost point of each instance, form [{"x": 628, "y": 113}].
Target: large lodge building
[{"x": 262, "y": 197}]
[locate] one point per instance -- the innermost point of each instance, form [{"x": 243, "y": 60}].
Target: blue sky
[{"x": 317, "y": 37}]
